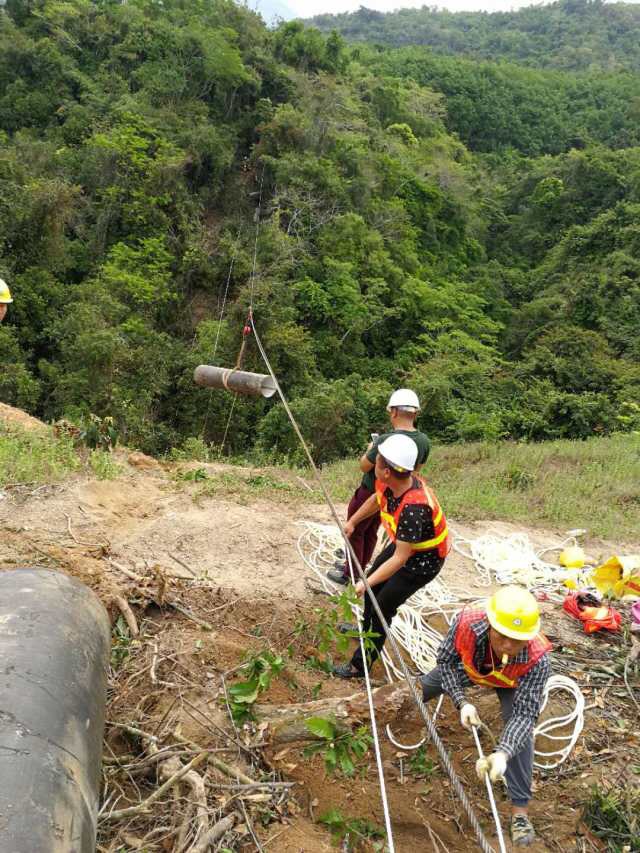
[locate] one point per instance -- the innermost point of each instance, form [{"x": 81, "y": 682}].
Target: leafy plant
[
  {"x": 340, "y": 749},
  {"x": 193, "y": 475},
  {"x": 353, "y": 833},
  {"x": 261, "y": 668},
  {"x": 325, "y": 632},
  {"x": 613, "y": 814},
  {"x": 99, "y": 433},
  {"x": 420, "y": 765},
  {"x": 121, "y": 643}
]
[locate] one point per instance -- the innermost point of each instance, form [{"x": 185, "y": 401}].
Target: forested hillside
[
  {"x": 479, "y": 244},
  {"x": 574, "y": 35}
]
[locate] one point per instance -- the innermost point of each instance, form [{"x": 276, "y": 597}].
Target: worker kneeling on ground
[
  {"x": 410, "y": 513},
  {"x": 5, "y": 299},
  {"x": 499, "y": 646}
]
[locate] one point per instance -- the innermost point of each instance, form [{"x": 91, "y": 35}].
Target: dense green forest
[
  {"x": 570, "y": 35},
  {"x": 479, "y": 241}
]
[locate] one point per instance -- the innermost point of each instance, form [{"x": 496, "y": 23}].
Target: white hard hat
[
  {"x": 5, "y": 293},
  {"x": 401, "y": 451},
  {"x": 404, "y": 398}
]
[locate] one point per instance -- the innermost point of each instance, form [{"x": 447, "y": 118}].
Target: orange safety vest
[
  {"x": 423, "y": 495},
  {"x": 465, "y": 643}
]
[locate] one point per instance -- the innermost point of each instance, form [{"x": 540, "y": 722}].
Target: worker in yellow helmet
[
  {"x": 5, "y": 299},
  {"x": 499, "y": 646}
]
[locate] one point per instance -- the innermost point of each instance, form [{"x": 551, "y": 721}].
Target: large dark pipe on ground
[
  {"x": 251, "y": 384},
  {"x": 54, "y": 651}
]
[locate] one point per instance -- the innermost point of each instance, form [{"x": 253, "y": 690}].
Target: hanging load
[
  {"x": 233, "y": 378},
  {"x": 239, "y": 381}
]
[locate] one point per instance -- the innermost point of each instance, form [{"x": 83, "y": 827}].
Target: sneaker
[
  {"x": 347, "y": 670},
  {"x": 346, "y": 627},
  {"x": 522, "y": 831},
  {"x": 337, "y": 577}
]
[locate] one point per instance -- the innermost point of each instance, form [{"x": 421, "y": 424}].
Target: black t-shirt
[{"x": 416, "y": 525}]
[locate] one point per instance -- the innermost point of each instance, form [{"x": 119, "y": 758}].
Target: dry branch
[
  {"x": 288, "y": 724},
  {"x": 144, "y": 805},
  {"x": 216, "y": 832},
  {"x": 127, "y": 612}
]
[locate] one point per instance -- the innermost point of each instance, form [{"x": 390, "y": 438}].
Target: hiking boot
[
  {"x": 346, "y": 627},
  {"x": 347, "y": 670},
  {"x": 522, "y": 831},
  {"x": 337, "y": 577}
]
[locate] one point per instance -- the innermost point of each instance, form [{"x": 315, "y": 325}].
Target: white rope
[
  {"x": 492, "y": 799},
  {"x": 557, "y": 728},
  {"x": 512, "y": 559},
  {"x": 372, "y": 714}
]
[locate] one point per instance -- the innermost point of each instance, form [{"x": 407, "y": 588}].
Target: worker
[
  {"x": 499, "y": 645},
  {"x": 419, "y": 541},
  {"x": 5, "y": 299},
  {"x": 403, "y": 408}
]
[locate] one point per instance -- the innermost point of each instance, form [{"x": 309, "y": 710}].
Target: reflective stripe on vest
[
  {"x": 420, "y": 495},
  {"x": 466, "y": 641}
]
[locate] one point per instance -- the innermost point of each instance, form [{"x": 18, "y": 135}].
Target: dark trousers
[
  {"x": 390, "y": 595},
  {"x": 364, "y": 537},
  {"x": 519, "y": 768}
]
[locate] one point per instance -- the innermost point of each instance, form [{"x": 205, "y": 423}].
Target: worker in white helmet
[
  {"x": 5, "y": 299},
  {"x": 403, "y": 408},
  {"x": 419, "y": 541}
]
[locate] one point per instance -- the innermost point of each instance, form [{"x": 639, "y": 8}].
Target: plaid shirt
[{"x": 528, "y": 692}]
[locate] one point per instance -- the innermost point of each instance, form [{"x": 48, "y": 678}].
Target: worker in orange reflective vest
[
  {"x": 419, "y": 541},
  {"x": 499, "y": 646}
]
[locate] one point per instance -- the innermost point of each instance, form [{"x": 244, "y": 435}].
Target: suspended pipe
[
  {"x": 54, "y": 647},
  {"x": 251, "y": 384}
]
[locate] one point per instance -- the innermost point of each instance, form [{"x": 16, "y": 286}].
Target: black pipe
[{"x": 54, "y": 652}]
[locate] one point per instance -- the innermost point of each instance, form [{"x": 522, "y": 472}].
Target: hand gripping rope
[
  {"x": 492, "y": 799},
  {"x": 431, "y": 729}
]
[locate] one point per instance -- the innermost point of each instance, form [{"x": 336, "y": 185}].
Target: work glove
[
  {"x": 469, "y": 716},
  {"x": 495, "y": 765}
]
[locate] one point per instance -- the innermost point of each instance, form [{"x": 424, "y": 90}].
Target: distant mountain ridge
[{"x": 571, "y": 35}]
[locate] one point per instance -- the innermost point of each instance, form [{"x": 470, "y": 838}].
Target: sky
[{"x": 308, "y": 8}]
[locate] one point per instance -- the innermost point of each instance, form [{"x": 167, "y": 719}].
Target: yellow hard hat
[
  {"x": 572, "y": 557},
  {"x": 514, "y": 612},
  {"x": 5, "y": 293}
]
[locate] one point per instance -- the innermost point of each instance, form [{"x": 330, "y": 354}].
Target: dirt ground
[{"x": 235, "y": 565}]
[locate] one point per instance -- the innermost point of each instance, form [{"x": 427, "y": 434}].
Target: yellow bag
[{"x": 619, "y": 575}]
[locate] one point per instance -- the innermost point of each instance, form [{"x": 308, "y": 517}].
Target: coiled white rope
[
  {"x": 318, "y": 545},
  {"x": 557, "y": 728}
]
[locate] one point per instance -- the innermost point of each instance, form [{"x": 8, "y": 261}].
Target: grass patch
[
  {"x": 559, "y": 484},
  {"x": 562, "y": 484},
  {"x": 34, "y": 457}
]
